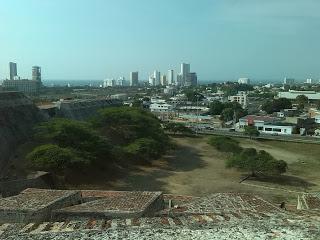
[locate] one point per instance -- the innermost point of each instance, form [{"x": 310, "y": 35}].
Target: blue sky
[{"x": 222, "y": 39}]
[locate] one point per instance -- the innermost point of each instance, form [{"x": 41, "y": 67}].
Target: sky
[{"x": 221, "y": 39}]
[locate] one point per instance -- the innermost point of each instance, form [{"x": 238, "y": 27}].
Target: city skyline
[{"x": 223, "y": 40}]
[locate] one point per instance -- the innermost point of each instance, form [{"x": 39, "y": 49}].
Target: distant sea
[{"x": 80, "y": 83}]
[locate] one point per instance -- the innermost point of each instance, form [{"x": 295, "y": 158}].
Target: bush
[
  {"x": 143, "y": 150},
  {"x": 225, "y": 144},
  {"x": 252, "y": 161},
  {"x": 51, "y": 157}
]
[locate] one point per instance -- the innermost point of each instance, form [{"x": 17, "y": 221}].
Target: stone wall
[{"x": 38, "y": 180}]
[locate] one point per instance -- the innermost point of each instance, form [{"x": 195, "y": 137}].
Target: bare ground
[{"x": 196, "y": 168}]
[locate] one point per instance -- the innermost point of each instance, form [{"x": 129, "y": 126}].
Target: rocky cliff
[{"x": 18, "y": 115}]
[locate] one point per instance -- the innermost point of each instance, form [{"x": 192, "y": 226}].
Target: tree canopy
[
  {"x": 255, "y": 161},
  {"x": 251, "y": 131},
  {"x": 115, "y": 136},
  {"x": 276, "y": 105},
  {"x": 177, "y": 128}
]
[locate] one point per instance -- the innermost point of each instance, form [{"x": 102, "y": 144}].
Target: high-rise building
[
  {"x": 309, "y": 81},
  {"x": 13, "y": 70},
  {"x": 36, "y": 73},
  {"x": 164, "y": 80},
  {"x": 152, "y": 81},
  {"x": 191, "y": 80},
  {"x": 185, "y": 69},
  {"x": 171, "y": 77},
  {"x": 244, "y": 81},
  {"x": 156, "y": 75},
  {"x": 134, "y": 79},
  {"x": 288, "y": 81},
  {"x": 184, "y": 72}
]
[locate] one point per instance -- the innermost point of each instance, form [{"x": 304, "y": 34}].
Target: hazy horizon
[{"x": 222, "y": 39}]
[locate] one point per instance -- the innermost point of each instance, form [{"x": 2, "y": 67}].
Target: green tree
[
  {"x": 276, "y": 105},
  {"x": 143, "y": 150},
  {"x": 302, "y": 101},
  {"x": 177, "y": 128},
  {"x": 216, "y": 107},
  {"x": 51, "y": 157},
  {"x": 77, "y": 135},
  {"x": 227, "y": 114},
  {"x": 225, "y": 144},
  {"x": 251, "y": 131},
  {"x": 123, "y": 125},
  {"x": 318, "y": 105},
  {"x": 252, "y": 161},
  {"x": 193, "y": 95}
]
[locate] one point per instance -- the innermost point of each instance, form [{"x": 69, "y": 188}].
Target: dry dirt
[{"x": 196, "y": 168}]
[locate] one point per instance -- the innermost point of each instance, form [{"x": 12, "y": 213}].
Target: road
[{"x": 287, "y": 138}]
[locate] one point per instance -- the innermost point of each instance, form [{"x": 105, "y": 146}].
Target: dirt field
[{"x": 195, "y": 168}]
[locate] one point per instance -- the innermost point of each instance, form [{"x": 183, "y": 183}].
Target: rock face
[{"x": 18, "y": 115}]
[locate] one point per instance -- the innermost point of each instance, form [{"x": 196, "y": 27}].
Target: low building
[
  {"x": 29, "y": 87},
  {"x": 291, "y": 94},
  {"x": 119, "y": 96},
  {"x": 266, "y": 124},
  {"x": 240, "y": 98},
  {"x": 161, "y": 107}
]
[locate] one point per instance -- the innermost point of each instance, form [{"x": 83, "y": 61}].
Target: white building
[
  {"x": 161, "y": 107},
  {"x": 109, "y": 83},
  {"x": 120, "y": 96},
  {"x": 121, "y": 81},
  {"x": 152, "y": 81},
  {"x": 309, "y": 81},
  {"x": 265, "y": 124},
  {"x": 241, "y": 98},
  {"x": 288, "y": 81},
  {"x": 312, "y": 95},
  {"x": 244, "y": 81}
]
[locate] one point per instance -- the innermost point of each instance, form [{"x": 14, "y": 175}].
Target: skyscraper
[
  {"x": 185, "y": 69},
  {"x": 36, "y": 73},
  {"x": 163, "y": 80},
  {"x": 13, "y": 70},
  {"x": 156, "y": 75},
  {"x": 134, "y": 79},
  {"x": 171, "y": 77},
  {"x": 184, "y": 73}
]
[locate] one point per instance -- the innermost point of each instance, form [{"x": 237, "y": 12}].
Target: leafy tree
[
  {"x": 318, "y": 105},
  {"x": 302, "y": 100},
  {"x": 77, "y": 135},
  {"x": 216, "y": 107},
  {"x": 225, "y": 144},
  {"x": 227, "y": 114},
  {"x": 177, "y": 128},
  {"x": 252, "y": 161},
  {"x": 251, "y": 131},
  {"x": 193, "y": 96},
  {"x": 276, "y": 105},
  {"x": 143, "y": 150},
  {"x": 123, "y": 125},
  {"x": 51, "y": 157}
]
